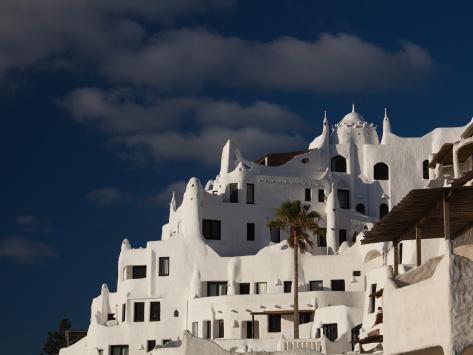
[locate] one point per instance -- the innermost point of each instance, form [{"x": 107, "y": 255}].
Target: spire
[
  {"x": 172, "y": 204},
  {"x": 325, "y": 115},
  {"x": 386, "y": 127},
  {"x": 353, "y": 108}
]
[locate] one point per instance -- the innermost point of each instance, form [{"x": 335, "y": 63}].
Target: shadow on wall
[{"x": 436, "y": 350}]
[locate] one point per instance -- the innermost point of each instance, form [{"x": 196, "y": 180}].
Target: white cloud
[
  {"x": 105, "y": 196},
  {"x": 190, "y": 58},
  {"x": 24, "y": 250},
  {"x": 161, "y": 125}
]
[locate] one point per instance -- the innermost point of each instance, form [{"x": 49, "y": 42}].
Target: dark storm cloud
[
  {"x": 33, "y": 32},
  {"x": 186, "y": 59}
]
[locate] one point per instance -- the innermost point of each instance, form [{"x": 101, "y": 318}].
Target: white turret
[
  {"x": 172, "y": 204},
  {"x": 229, "y": 156},
  {"x": 321, "y": 141},
  {"x": 386, "y": 127}
]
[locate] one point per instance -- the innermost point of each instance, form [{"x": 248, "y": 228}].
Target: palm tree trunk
[{"x": 296, "y": 288}]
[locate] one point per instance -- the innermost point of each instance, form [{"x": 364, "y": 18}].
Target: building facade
[{"x": 219, "y": 272}]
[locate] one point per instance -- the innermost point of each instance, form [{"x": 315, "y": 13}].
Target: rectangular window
[
  {"x": 234, "y": 193},
  {"x": 337, "y": 285},
  {"x": 195, "y": 329},
  {"x": 400, "y": 253},
  {"x": 207, "y": 329},
  {"x": 372, "y": 298},
  {"x": 356, "y": 273},
  {"x": 139, "y": 314},
  {"x": 138, "y": 272},
  {"x": 274, "y": 323},
  {"x": 217, "y": 288},
  {"x": 343, "y": 198},
  {"x": 150, "y": 345},
  {"x": 322, "y": 241},
  {"x": 321, "y": 195},
  {"x": 331, "y": 331},
  {"x": 111, "y": 316},
  {"x": 211, "y": 229},
  {"x": 287, "y": 286},
  {"x": 164, "y": 266},
  {"x": 317, "y": 285},
  {"x": 304, "y": 318},
  {"x": 123, "y": 312},
  {"x": 261, "y": 288},
  {"x": 249, "y": 329},
  {"x": 154, "y": 311},
  {"x": 250, "y": 231},
  {"x": 342, "y": 236},
  {"x": 308, "y": 194},
  {"x": 244, "y": 288},
  {"x": 250, "y": 194},
  {"x": 275, "y": 234},
  {"x": 220, "y": 329},
  {"x": 119, "y": 350}
]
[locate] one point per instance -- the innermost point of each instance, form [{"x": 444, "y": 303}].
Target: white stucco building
[{"x": 220, "y": 273}]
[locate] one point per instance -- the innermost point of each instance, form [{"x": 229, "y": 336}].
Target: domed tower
[{"x": 354, "y": 128}]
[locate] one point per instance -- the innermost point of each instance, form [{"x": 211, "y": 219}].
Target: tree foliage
[{"x": 57, "y": 339}]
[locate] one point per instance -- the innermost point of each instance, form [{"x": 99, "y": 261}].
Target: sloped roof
[{"x": 276, "y": 159}]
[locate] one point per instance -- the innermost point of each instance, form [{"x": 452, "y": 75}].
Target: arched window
[
  {"x": 360, "y": 208},
  {"x": 425, "y": 169},
  {"x": 383, "y": 210},
  {"x": 338, "y": 164},
  {"x": 381, "y": 171}
]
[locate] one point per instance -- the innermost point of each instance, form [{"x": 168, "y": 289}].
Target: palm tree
[{"x": 298, "y": 220}]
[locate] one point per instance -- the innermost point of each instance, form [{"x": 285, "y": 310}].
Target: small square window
[
  {"x": 250, "y": 231},
  {"x": 261, "y": 287},
  {"x": 317, "y": 285},
  {"x": 338, "y": 285},
  {"x": 321, "y": 195},
  {"x": 244, "y": 288},
  {"x": 274, "y": 323},
  {"x": 356, "y": 273},
  {"x": 287, "y": 286},
  {"x": 139, "y": 272},
  {"x": 139, "y": 314},
  {"x": 164, "y": 266},
  {"x": 308, "y": 194},
  {"x": 211, "y": 229}
]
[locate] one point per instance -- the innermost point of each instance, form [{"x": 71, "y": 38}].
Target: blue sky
[{"x": 107, "y": 106}]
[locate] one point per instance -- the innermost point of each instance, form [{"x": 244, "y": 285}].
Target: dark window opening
[
  {"x": 275, "y": 234},
  {"x": 250, "y": 231},
  {"x": 337, "y": 285},
  {"x": 322, "y": 241},
  {"x": 234, "y": 193},
  {"x": 338, "y": 164},
  {"x": 138, "y": 272},
  {"x": 218, "y": 288},
  {"x": 111, "y": 316},
  {"x": 139, "y": 312},
  {"x": 400, "y": 253},
  {"x": 381, "y": 171},
  {"x": 164, "y": 266},
  {"x": 425, "y": 169},
  {"x": 305, "y": 317},
  {"x": 176, "y": 313},
  {"x": 250, "y": 194},
  {"x": 343, "y": 198},
  {"x": 360, "y": 208},
  {"x": 287, "y": 286},
  {"x": 207, "y": 330},
  {"x": 211, "y": 229},
  {"x": 308, "y": 194},
  {"x": 356, "y": 273},
  {"x": 321, "y": 195},
  {"x": 150, "y": 345},
  {"x": 383, "y": 210},
  {"x": 372, "y": 298},
  {"x": 155, "y": 312},
  {"x": 342, "y": 236},
  {"x": 119, "y": 349},
  {"x": 220, "y": 329},
  {"x": 244, "y": 288},
  {"x": 331, "y": 331},
  {"x": 274, "y": 323},
  {"x": 317, "y": 285},
  {"x": 123, "y": 312},
  {"x": 165, "y": 341}
]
